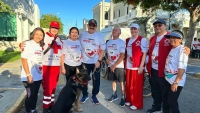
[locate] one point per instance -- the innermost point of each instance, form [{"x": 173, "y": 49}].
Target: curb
[{"x": 18, "y": 104}]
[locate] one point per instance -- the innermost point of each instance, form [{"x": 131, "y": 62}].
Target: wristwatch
[{"x": 175, "y": 83}]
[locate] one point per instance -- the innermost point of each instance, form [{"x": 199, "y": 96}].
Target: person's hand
[
  {"x": 22, "y": 45},
  {"x": 174, "y": 87},
  {"x": 63, "y": 71},
  {"x": 97, "y": 64},
  {"x": 29, "y": 79},
  {"x": 140, "y": 70},
  {"x": 112, "y": 68},
  {"x": 186, "y": 50},
  {"x": 107, "y": 61}
]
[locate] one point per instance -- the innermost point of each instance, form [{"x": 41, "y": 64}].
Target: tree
[
  {"x": 192, "y": 6},
  {"x": 5, "y": 8},
  {"x": 46, "y": 20}
]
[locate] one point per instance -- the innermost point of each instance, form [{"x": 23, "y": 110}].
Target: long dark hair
[{"x": 33, "y": 33}]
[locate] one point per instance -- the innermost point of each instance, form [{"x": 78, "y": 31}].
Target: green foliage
[
  {"x": 9, "y": 56},
  {"x": 5, "y": 7},
  {"x": 46, "y": 20}
]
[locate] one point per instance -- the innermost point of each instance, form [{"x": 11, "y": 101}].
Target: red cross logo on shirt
[{"x": 55, "y": 47}]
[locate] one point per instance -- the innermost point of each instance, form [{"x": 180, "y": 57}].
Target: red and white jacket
[
  {"x": 52, "y": 57},
  {"x": 163, "y": 51}
]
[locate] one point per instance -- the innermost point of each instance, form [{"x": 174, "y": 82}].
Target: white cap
[{"x": 135, "y": 25}]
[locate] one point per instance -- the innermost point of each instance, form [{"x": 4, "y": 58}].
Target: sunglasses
[
  {"x": 158, "y": 25},
  {"x": 92, "y": 25},
  {"x": 133, "y": 28}
]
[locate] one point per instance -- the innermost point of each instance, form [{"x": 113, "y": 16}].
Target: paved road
[
  {"x": 188, "y": 101},
  {"x": 10, "y": 88}
]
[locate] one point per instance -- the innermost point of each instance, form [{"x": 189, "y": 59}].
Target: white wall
[{"x": 27, "y": 17}]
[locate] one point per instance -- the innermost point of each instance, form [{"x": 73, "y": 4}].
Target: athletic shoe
[
  {"x": 84, "y": 98},
  {"x": 46, "y": 111},
  {"x": 133, "y": 107},
  {"x": 152, "y": 110},
  {"x": 122, "y": 103},
  {"x": 127, "y": 103},
  {"x": 95, "y": 100},
  {"x": 113, "y": 98},
  {"x": 35, "y": 111}
]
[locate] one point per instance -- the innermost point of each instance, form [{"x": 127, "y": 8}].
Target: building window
[
  {"x": 119, "y": 13},
  {"x": 114, "y": 15},
  {"x": 127, "y": 10},
  {"x": 106, "y": 15}
]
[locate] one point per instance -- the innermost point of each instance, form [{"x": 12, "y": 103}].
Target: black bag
[{"x": 50, "y": 46}]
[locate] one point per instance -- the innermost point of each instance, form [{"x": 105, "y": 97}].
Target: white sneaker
[
  {"x": 133, "y": 107},
  {"x": 127, "y": 103}
]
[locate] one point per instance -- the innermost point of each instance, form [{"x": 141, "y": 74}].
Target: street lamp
[{"x": 170, "y": 15}]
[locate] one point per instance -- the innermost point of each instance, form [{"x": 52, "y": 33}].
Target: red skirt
[{"x": 134, "y": 88}]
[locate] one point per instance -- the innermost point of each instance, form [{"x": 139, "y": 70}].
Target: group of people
[
  {"x": 45, "y": 54},
  {"x": 196, "y": 48}
]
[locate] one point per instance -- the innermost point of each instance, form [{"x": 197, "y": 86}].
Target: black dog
[{"x": 71, "y": 91}]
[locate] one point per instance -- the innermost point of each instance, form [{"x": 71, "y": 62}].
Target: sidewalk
[
  {"x": 11, "y": 88},
  {"x": 12, "y": 92}
]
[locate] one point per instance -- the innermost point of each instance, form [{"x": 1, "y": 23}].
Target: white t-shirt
[
  {"x": 113, "y": 49},
  {"x": 72, "y": 51},
  {"x": 52, "y": 57},
  {"x": 91, "y": 46},
  {"x": 176, "y": 60},
  {"x": 155, "y": 53},
  {"x": 143, "y": 47},
  {"x": 196, "y": 44},
  {"x": 33, "y": 53}
]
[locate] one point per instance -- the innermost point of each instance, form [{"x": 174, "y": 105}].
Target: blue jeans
[{"x": 95, "y": 80}]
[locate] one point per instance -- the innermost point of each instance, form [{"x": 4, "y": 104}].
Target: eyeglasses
[
  {"x": 158, "y": 25},
  {"x": 92, "y": 25},
  {"x": 133, "y": 28}
]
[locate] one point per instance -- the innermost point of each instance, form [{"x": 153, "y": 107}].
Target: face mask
[{"x": 168, "y": 75}]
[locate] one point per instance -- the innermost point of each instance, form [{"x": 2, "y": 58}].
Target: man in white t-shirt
[
  {"x": 115, "y": 50},
  {"x": 194, "y": 47},
  {"x": 93, "y": 47}
]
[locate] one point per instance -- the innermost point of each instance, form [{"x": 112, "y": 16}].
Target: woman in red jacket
[{"x": 136, "y": 48}]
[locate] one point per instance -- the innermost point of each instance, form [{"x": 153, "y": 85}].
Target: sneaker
[
  {"x": 152, "y": 110},
  {"x": 133, "y": 107},
  {"x": 46, "y": 111},
  {"x": 84, "y": 98},
  {"x": 122, "y": 103},
  {"x": 113, "y": 98},
  {"x": 95, "y": 100},
  {"x": 127, "y": 103},
  {"x": 35, "y": 111}
]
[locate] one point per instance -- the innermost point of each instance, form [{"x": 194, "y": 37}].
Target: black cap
[
  {"x": 92, "y": 21},
  {"x": 159, "y": 21}
]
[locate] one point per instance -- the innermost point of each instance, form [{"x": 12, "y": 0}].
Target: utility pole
[
  {"x": 103, "y": 13},
  {"x": 76, "y": 24}
]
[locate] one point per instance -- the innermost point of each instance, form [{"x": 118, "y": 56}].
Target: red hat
[{"x": 55, "y": 24}]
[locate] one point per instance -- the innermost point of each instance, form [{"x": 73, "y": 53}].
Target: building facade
[
  {"x": 123, "y": 15},
  {"x": 17, "y": 27}
]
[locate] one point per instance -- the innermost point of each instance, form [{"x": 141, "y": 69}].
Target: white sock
[{"x": 32, "y": 111}]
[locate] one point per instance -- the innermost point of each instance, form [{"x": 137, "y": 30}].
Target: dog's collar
[{"x": 78, "y": 81}]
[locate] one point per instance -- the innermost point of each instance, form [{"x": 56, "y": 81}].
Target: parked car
[
  {"x": 62, "y": 37},
  {"x": 107, "y": 34}
]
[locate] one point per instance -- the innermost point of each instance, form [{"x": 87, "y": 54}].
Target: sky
[{"x": 69, "y": 11}]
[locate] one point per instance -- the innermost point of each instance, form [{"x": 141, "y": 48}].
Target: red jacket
[
  {"x": 136, "y": 52},
  {"x": 163, "y": 51}
]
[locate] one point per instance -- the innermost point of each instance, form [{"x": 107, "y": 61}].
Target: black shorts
[{"x": 118, "y": 75}]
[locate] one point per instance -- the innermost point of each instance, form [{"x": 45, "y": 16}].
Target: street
[{"x": 188, "y": 100}]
